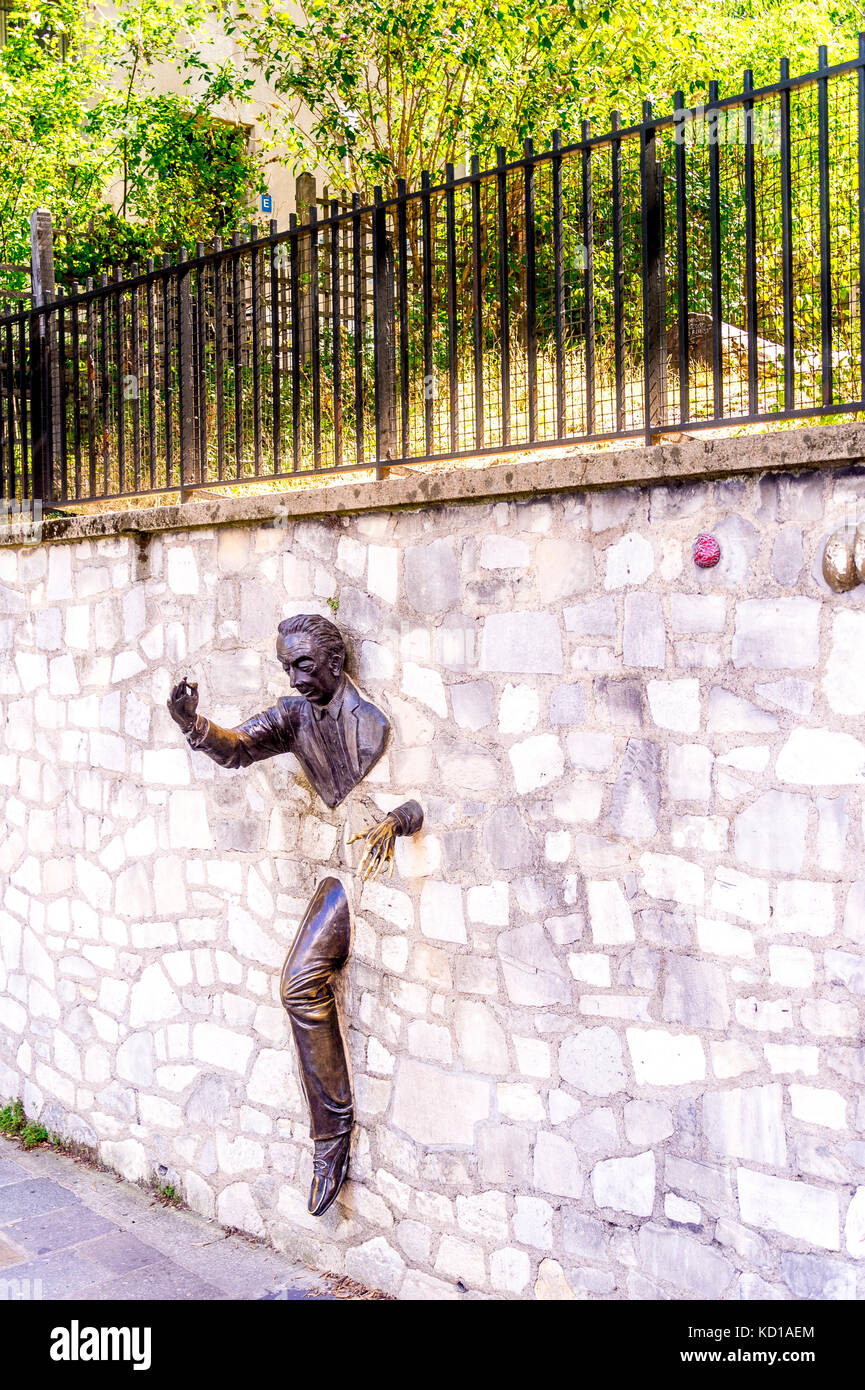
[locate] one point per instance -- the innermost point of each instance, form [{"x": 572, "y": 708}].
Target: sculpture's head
[{"x": 312, "y": 653}]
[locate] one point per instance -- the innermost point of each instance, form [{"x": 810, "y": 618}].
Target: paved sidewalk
[{"x": 88, "y": 1235}]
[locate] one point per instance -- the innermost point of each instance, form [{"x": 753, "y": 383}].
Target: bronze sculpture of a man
[{"x": 336, "y": 736}]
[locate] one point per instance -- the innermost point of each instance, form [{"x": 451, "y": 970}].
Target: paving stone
[
  {"x": 11, "y": 1172},
  {"x": 162, "y": 1280},
  {"x": 119, "y": 1252},
  {"x": 55, "y": 1230},
  {"x": 32, "y": 1197}
]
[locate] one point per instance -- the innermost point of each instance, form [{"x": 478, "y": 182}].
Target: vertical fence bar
[
  {"x": 825, "y": 241},
  {"x": 618, "y": 269},
  {"x": 714, "y": 118},
  {"x": 682, "y": 308},
  {"x": 167, "y": 319},
  {"x": 589, "y": 275},
  {"x": 186, "y": 374},
  {"x": 201, "y": 361},
  {"x": 255, "y": 298},
  {"x": 504, "y": 276},
  {"x": 451, "y": 252},
  {"x": 531, "y": 289},
  {"x": 559, "y": 283},
  {"x": 119, "y": 365},
  {"x": 76, "y": 394},
  {"x": 6, "y": 476},
  {"x": 91, "y": 387},
  {"x": 22, "y": 410},
  {"x": 477, "y": 306},
  {"x": 652, "y": 256},
  {"x": 151, "y": 376},
  {"x": 428, "y": 375},
  {"x": 61, "y": 382},
  {"x": 336, "y": 330},
  {"x": 860, "y": 95},
  {"x": 10, "y": 407},
  {"x": 357, "y": 292},
  {"x": 384, "y": 346},
  {"x": 294, "y": 255},
  {"x": 105, "y": 391},
  {"x": 274, "y": 252},
  {"x": 750, "y": 244},
  {"x": 315, "y": 344},
  {"x": 219, "y": 354},
  {"x": 134, "y": 366},
  {"x": 402, "y": 242},
  {"x": 236, "y": 330},
  {"x": 786, "y": 237}
]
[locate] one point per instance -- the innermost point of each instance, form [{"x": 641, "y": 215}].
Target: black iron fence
[{"x": 698, "y": 269}]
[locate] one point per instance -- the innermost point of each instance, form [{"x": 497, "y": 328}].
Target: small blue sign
[{"x": 266, "y": 202}]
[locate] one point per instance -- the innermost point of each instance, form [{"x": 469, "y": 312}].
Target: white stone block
[
  {"x": 821, "y": 757},
  {"x": 533, "y": 1057},
  {"x": 803, "y": 907},
  {"x": 625, "y": 1184},
  {"x": 182, "y": 570},
  {"x": 383, "y": 572},
  {"x": 519, "y": 709},
  {"x": 647, "y": 1122},
  {"x": 665, "y": 1059},
  {"x": 225, "y": 1048},
  {"x": 392, "y": 905},
  {"x": 591, "y": 1060},
  {"x": 675, "y": 704},
  {"x": 590, "y": 969},
  {"x": 484, "y": 1216},
  {"x": 787, "y": 1058},
  {"x": 438, "y": 1107},
  {"x": 765, "y": 1015},
  {"x": 522, "y": 643},
  {"x": 629, "y": 561},
  {"x": 746, "y": 1122},
  {"x": 520, "y": 1102},
  {"x": 671, "y": 878},
  {"x": 682, "y": 1212},
  {"x": 152, "y": 999},
  {"x": 794, "y": 1209},
  {"x": 791, "y": 966},
  {"x": 457, "y": 1259},
  {"x": 533, "y": 1222},
  {"x": 481, "y": 1040},
  {"x": 556, "y": 1166},
  {"x": 424, "y": 684},
  {"x": 537, "y": 762},
  {"x": 236, "y": 1207},
  {"x": 776, "y": 633},
  {"x": 504, "y": 553},
  {"x": 166, "y": 767},
  {"x": 510, "y": 1270},
  {"x": 844, "y": 680},
  {"x": 441, "y": 911},
  {"x": 609, "y": 914},
  {"x": 488, "y": 904},
  {"x": 376, "y": 662},
  {"x": 818, "y": 1106},
  {"x": 689, "y": 772},
  {"x": 854, "y": 1226},
  {"x": 188, "y": 826},
  {"x": 740, "y": 895}
]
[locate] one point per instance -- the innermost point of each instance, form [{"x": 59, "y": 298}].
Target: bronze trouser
[{"x": 320, "y": 947}]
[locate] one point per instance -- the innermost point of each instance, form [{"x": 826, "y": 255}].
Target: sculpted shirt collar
[{"x": 334, "y": 705}]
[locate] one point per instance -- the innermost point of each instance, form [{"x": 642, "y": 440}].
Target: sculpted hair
[{"x": 325, "y": 633}]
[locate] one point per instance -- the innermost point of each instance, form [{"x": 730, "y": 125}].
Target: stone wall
[{"x": 605, "y": 1020}]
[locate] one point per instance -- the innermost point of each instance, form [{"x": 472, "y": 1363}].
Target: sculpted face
[{"x": 309, "y": 669}]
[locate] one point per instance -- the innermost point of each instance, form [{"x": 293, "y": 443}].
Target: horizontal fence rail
[{"x": 701, "y": 268}]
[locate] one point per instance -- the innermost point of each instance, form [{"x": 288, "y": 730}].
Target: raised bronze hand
[
  {"x": 183, "y": 704},
  {"x": 380, "y": 839}
]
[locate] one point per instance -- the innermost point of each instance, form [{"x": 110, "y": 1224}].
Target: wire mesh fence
[{"x": 701, "y": 268}]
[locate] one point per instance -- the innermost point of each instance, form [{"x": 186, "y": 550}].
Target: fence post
[
  {"x": 654, "y": 307},
  {"x": 44, "y": 424},
  {"x": 186, "y": 377},
  {"x": 384, "y": 336},
  {"x": 304, "y": 201}
]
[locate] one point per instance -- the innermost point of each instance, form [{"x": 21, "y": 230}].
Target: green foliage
[
  {"x": 168, "y": 1194},
  {"x": 373, "y": 90},
  {"x": 334, "y": 604},
  {"x": 15, "y": 1125},
  {"x": 81, "y": 117}
]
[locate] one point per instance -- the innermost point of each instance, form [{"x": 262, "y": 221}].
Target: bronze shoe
[{"x": 329, "y": 1167}]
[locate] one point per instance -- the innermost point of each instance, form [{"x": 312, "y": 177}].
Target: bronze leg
[{"x": 320, "y": 947}]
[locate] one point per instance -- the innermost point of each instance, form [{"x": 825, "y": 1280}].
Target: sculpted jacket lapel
[{"x": 350, "y": 702}]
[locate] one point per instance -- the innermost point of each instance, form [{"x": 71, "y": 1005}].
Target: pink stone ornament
[{"x": 707, "y": 551}]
